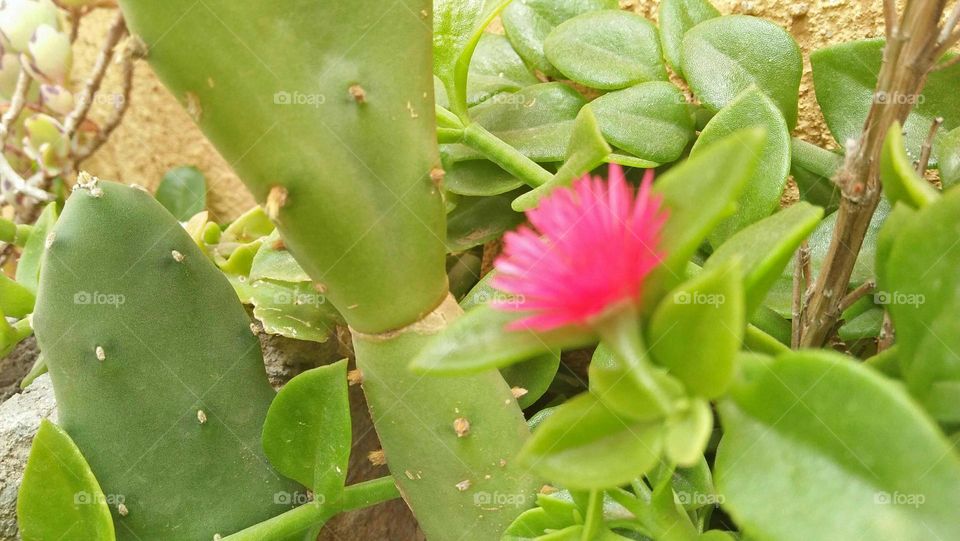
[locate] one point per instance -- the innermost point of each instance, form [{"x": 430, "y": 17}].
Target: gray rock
[{"x": 20, "y": 419}]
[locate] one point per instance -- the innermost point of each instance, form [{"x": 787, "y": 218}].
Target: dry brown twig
[{"x": 915, "y": 43}]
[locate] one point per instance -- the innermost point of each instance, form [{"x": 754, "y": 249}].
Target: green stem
[
  {"x": 594, "y": 519},
  {"x": 504, "y": 155},
  {"x": 314, "y": 513},
  {"x": 621, "y": 333}
]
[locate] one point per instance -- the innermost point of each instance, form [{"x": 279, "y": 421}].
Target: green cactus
[
  {"x": 337, "y": 139},
  {"x": 309, "y": 104},
  {"x": 157, "y": 375},
  {"x": 450, "y": 448}
]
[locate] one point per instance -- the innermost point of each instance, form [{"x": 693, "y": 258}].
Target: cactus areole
[{"x": 334, "y": 136}]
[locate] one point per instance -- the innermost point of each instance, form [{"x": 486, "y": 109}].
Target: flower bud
[
  {"x": 9, "y": 72},
  {"x": 51, "y": 55},
  {"x": 19, "y": 19},
  {"x": 57, "y": 99},
  {"x": 45, "y": 142}
]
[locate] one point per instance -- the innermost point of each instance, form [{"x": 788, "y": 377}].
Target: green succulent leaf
[
  {"x": 28, "y": 266},
  {"x": 696, "y": 331},
  {"x": 901, "y": 182},
  {"x": 616, "y": 382},
  {"x": 765, "y": 248},
  {"x": 919, "y": 285},
  {"x": 863, "y": 326},
  {"x": 533, "y": 376},
  {"x": 807, "y": 452},
  {"x": 477, "y": 220},
  {"x": 586, "y": 445},
  {"x": 479, "y": 341},
  {"x": 293, "y": 309},
  {"x": 306, "y": 435},
  {"x": 496, "y": 68},
  {"x": 947, "y": 151},
  {"x": 676, "y": 17},
  {"x": 15, "y": 299},
  {"x": 274, "y": 262},
  {"x": 183, "y": 191},
  {"x": 813, "y": 169},
  {"x": 724, "y": 56},
  {"x": 587, "y": 150},
  {"x": 623, "y": 50},
  {"x": 250, "y": 226},
  {"x": 59, "y": 496},
  {"x": 537, "y": 121},
  {"x": 650, "y": 120},
  {"x": 761, "y": 197},
  {"x": 687, "y": 434},
  {"x": 528, "y": 23},
  {"x": 479, "y": 178},
  {"x": 845, "y": 78},
  {"x": 699, "y": 193},
  {"x": 458, "y": 26}
]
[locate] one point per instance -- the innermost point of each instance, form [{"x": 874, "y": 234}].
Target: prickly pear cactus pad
[
  {"x": 310, "y": 103},
  {"x": 158, "y": 378}
]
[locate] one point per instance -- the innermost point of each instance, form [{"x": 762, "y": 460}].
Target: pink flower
[{"x": 594, "y": 244}]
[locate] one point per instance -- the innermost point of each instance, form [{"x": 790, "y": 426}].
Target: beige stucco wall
[{"x": 157, "y": 134}]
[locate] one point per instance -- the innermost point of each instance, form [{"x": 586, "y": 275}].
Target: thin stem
[
  {"x": 950, "y": 24},
  {"x": 909, "y": 56},
  {"x": 85, "y": 98},
  {"x": 887, "y": 333},
  {"x": 927, "y": 147},
  {"x": 860, "y": 292},
  {"x": 593, "y": 522},
  {"x": 504, "y": 155},
  {"x": 314, "y": 513},
  {"x": 890, "y": 17},
  {"x": 801, "y": 281},
  {"x": 133, "y": 50},
  {"x": 948, "y": 64},
  {"x": 17, "y": 102}
]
